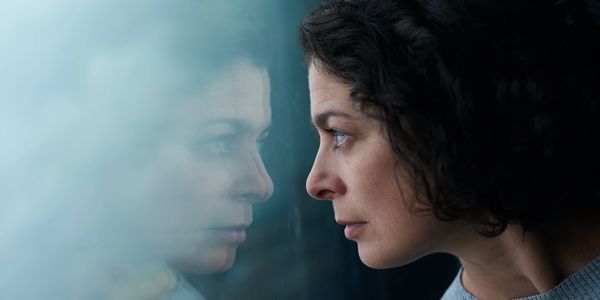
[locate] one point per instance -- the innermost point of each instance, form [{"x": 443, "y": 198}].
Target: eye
[
  {"x": 221, "y": 146},
  {"x": 260, "y": 141},
  {"x": 339, "y": 138}
]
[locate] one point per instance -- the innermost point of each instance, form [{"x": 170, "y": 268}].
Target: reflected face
[
  {"x": 194, "y": 197},
  {"x": 356, "y": 169}
]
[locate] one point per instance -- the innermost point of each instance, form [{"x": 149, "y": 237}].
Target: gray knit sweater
[{"x": 583, "y": 284}]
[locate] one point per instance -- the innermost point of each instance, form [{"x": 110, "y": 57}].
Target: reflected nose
[
  {"x": 255, "y": 184},
  {"x": 323, "y": 183}
]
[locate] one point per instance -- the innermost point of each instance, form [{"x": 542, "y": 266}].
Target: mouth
[
  {"x": 232, "y": 234},
  {"x": 353, "y": 228}
]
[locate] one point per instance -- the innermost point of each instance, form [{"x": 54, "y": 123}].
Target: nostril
[
  {"x": 324, "y": 195},
  {"x": 321, "y": 188},
  {"x": 323, "y": 182},
  {"x": 318, "y": 191},
  {"x": 312, "y": 188}
]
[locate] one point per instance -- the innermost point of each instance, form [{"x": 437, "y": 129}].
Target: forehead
[
  {"x": 324, "y": 85},
  {"x": 240, "y": 93},
  {"x": 326, "y": 91}
]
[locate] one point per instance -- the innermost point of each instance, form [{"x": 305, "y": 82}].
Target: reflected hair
[{"x": 492, "y": 106}]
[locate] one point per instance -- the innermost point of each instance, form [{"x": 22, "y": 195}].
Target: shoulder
[
  {"x": 583, "y": 284},
  {"x": 456, "y": 291}
]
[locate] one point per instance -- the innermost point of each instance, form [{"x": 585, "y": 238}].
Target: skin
[
  {"x": 355, "y": 168},
  {"x": 516, "y": 264},
  {"x": 119, "y": 141},
  {"x": 164, "y": 173},
  {"x": 206, "y": 174},
  {"x": 374, "y": 198}
]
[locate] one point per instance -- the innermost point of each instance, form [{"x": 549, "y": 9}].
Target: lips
[
  {"x": 353, "y": 228},
  {"x": 233, "y": 234}
]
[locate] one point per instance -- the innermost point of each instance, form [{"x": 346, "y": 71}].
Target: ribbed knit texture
[{"x": 583, "y": 284}]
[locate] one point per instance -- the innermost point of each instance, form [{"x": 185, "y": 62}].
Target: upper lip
[{"x": 346, "y": 222}]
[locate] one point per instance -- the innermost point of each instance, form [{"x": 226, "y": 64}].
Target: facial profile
[
  {"x": 135, "y": 146},
  {"x": 196, "y": 191},
  {"x": 356, "y": 169}
]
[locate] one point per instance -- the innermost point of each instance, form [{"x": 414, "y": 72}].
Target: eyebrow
[{"x": 320, "y": 119}]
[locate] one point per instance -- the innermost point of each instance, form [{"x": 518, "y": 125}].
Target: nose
[
  {"x": 254, "y": 184},
  {"x": 323, "y": 183}
]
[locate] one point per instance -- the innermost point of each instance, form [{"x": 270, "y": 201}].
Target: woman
[
  {"x": 196, "y": 188},
  {"x": 466, "y": 128},
  {"x": 136, "y": 146}
]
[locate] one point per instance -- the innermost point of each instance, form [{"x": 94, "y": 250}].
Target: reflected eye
[
  {"x": 260, "y": 141},
  {"x": 339, "y": 138},
  {"x": 218, "y": 147}
]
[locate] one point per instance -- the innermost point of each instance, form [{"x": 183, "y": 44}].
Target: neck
[{"x": 517, "y": 264}]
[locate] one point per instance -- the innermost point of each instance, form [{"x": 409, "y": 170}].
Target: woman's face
[
  {"x": 356, "y": 169},
  {"x": 193, "y": 198}
]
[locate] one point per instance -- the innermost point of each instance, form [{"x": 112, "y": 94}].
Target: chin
[
  {"x": 215, "y": 260},
  {"x": 376, "y": 258},
  {"x": 375, "y": 262}
]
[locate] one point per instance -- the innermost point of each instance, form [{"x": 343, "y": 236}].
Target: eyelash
[{"x": 337, "y": 134}]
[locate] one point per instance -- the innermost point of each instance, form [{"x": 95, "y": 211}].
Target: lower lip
[
  {"x": 230, "y": 235},
  {"x": 352, "y": 231}
]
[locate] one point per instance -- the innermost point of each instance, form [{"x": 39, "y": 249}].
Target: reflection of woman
[
  {"x": 197, "y": 189},
  {"x": 211, "y": 164},
  {"x": 467, "y": 128},
  {"x": 137, "y": 157},
  {"x": 187, "y": 200}
]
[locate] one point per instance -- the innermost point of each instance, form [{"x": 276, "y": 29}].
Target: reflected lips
[{"x": 230, "y": 234}]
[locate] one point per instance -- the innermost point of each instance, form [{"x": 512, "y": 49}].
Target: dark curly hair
[{"x": 492, "y": 105}]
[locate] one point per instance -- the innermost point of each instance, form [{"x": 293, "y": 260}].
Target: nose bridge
[{"x": 255, "y": 184}]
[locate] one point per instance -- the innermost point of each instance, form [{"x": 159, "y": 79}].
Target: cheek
[
  {"x": 176, "y": 189},
  {"x": 398, "y": 242},
  {"x": 397, "y": 232},
  {"x": 205, "y": 179},
  {"x": 374, "y": 178},
  {"x": 182, "y": 172},
  {"x": 400, "y": 234},
  {"x": 193, "y": 189}
]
